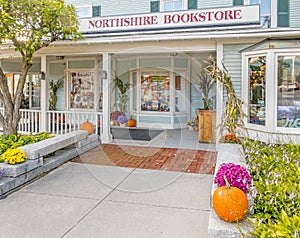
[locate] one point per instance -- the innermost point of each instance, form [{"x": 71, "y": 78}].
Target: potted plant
[
  {"x": 122, "y": 120},
  {"x": 205, "y": 84},
  {"x": 206, "y": 116},
  {"x": 191, "y": 124}
]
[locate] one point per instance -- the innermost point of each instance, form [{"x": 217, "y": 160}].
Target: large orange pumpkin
[
  {"x": 131, "y": 123},
  {"x": 87, "y": 126},
  {"x": 230, "y": 203}
]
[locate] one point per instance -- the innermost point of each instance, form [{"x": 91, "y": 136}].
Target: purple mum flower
[{"x": 235, "y": 174}]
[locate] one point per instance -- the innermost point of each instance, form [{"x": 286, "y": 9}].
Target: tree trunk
[{"x": 11, "y": 115}]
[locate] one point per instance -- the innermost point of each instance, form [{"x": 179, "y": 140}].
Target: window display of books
[
  {"x": 155, "y": 93},
  {"x": 82, "y": 90}
]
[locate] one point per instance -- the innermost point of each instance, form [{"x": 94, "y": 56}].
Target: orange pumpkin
[
  {"x": 87, "y": 126},
  {"x": 230, "y": 203},
  {"x": 131, "y": 123}
]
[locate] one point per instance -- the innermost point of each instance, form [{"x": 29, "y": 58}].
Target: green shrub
[
  {"x": 15, "y": 141},
  {"x": 276, "y": 194}
]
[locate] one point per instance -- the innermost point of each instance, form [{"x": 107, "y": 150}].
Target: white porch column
[
  {"x": 44, "y": 95},
  {"x": 106, "y": 136}
]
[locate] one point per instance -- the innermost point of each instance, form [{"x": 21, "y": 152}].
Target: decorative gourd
[
  {"x": 230, "y": 203},
  {"x": 131, "y": 123},
  {"x": 87, "y": 126}
]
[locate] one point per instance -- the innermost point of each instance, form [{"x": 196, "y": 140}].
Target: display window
[
  {"x": 31, "y": 92},
  {"x": 257, "y": 90},
  {"x": 155, "y": 92},
  {"x": 82, "y": 90},
  {"x": 288, "y": 91}
]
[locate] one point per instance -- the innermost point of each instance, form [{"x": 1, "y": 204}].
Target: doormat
[{"x": 134, "y": 133}]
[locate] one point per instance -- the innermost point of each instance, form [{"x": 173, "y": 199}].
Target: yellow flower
[{"x": 14, "y": 156}]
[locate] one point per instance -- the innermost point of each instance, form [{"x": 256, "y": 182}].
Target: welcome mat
[{"x": 128, "y": 133}]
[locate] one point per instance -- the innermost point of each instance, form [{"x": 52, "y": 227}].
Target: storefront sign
[{"x": 170, "y": 20}]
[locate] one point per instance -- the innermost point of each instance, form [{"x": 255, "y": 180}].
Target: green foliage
[
  {"x": 15, "y": 141},
  {"x": 285, "y": 227},
  {"x": 205, "y": 84},
  {"x": 276, "y": 172},
  {"x": 50, "y": 20},
  {"x": 27, "y": 26}
]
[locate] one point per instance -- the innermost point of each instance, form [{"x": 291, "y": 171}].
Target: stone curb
[{"x": 216, "y": 227}]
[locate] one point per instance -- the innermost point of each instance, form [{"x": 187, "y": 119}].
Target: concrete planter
[{"x": 218, "y": 228}]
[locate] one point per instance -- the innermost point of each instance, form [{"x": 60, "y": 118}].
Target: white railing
[
  {"x": 30, "y": 121},
  {"x": 58, "y": 122}
]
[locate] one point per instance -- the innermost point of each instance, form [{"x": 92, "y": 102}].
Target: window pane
[
  {"x": 82, "y": 90},
  {"x": 288, "y": 91},
  {"x": 172, "y": 5},
  {"x": 155, "y": 93},
  {"x": 257, "y": 93},
  {"x": 265, "y": 12},
  {"x": 35, "y": 91},
  {"x": 83, "y": 12},
  {"x": 179, "y": 94}
]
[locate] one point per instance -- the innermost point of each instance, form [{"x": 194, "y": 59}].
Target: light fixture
[
  {"x": 42, "y": 75},
  {"x": 104, "y": 74},
  {"x": 60, "y": 57}
]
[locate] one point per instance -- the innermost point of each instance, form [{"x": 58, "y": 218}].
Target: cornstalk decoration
[{"x": 233, "y": 116}]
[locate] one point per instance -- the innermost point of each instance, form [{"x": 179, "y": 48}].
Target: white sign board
[{"x": 236, "y": 15}]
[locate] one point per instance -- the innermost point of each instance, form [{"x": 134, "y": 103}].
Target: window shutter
[
  {"x": 96, "y": 11},
  {"x": 238, "y": 2},
  {"x": 154, "y": 7},
  {"x": 283, "y": 17},
  {"x": 192, "y": 4}
]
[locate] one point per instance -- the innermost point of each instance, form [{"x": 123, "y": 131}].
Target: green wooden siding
[{"x": 233, "y": 63}]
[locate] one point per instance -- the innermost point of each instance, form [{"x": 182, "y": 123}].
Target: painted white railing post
[
  {"x": 44, "y": 95},
  {"x": 106, "y": 136}
]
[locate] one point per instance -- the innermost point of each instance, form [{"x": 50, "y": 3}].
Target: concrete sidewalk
[{"x": 83, "y": 200}]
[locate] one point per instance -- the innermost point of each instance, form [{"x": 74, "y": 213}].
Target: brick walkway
[{"x": 180, "y": 160}]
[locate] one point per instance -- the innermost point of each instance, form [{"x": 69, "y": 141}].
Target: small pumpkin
[
  {"x": 131, "y": 123},
  {"x": 87, "y": 126},
  {"x": 230, "y": 203}
]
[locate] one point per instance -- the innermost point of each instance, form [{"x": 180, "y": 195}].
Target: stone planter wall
[
  {"x": 218, "y": 228},
  {"x": 65, "y": 147}
]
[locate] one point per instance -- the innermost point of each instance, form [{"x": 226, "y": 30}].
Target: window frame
[
  {"x": 90, "y": 11},
  {"x": 184, "y": 6},
  {"x": 278, "y": 53},
  {"x": 271, "y": 91}
]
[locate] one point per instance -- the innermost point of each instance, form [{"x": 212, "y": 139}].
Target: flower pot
[
  {"x": 122, "y": 124},
  {"x": 190, "y": 128}
]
